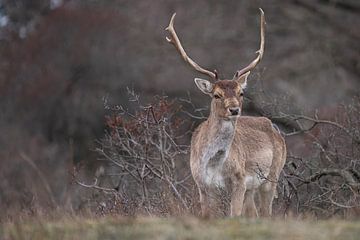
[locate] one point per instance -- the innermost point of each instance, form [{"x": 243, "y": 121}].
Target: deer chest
[
  {"x": 213, "y": 173},
  {"x": 214, "y": 154}
]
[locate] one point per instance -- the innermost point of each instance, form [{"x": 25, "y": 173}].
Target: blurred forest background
[{"x": 61, "y": 60}]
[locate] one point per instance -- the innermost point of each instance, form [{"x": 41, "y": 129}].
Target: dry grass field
[{"x": 180, "y": 228}]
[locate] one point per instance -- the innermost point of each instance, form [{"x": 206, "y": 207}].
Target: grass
[{"x": 180, "y": 228}]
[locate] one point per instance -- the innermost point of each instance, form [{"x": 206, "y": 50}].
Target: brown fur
[{"x": 246, "y": 153}]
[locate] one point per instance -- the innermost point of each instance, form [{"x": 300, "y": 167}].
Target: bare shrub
[
  {"x": 144, "y": 165},
  {"x": 143, "y": 160},
  {"x": 322, "y": 173}
]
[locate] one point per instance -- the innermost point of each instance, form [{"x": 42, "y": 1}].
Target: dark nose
[{"x": 234, "y": 111}]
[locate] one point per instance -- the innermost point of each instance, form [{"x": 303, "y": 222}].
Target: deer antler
[
  {"x": 260, "y": 52},
  {"x": 176, "y": 42}
]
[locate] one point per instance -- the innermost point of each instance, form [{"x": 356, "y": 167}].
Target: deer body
[
  {"x": 243, "y": 155},
  {"x": 248, "y": 156}
]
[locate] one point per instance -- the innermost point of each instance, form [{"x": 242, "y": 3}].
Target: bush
[
  {"x": 145, "y": 168},
  {"x": 143, "y": 158},
  {"x": 322, "y": 178}
]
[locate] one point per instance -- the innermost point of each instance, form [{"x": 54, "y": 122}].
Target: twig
[{"x": 28, "y": 160}]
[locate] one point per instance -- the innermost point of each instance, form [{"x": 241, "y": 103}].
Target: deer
[{"x": 241, "y": 154}]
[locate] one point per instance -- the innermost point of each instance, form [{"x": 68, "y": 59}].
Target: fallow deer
[{"x": 242, "y": 154}]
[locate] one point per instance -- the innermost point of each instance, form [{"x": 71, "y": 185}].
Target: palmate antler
[
  {"x": 176, "y": 42},
  {"x": 173, "y": 39}
]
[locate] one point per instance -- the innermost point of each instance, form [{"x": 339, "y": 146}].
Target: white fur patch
[
  {"x": 216, "y": 154},
  {"x": 254, "y": 181},
  {"x": 213, "y": 177},
  {"x": 204, "y": 85}
]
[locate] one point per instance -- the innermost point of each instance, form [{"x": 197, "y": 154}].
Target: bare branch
[{"x": 28, "y": 160}]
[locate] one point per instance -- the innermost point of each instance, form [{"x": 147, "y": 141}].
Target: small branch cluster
[
  {"x": 323, "y": 177},
  {"x": 143, "y": 157}
]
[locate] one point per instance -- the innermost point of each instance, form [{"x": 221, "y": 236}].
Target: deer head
[{"x": 227, "y": 95}]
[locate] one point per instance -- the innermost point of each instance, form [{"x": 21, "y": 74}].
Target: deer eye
[
  {"x": 241, "y": 94},
  {"x": 217, "y": 96}
]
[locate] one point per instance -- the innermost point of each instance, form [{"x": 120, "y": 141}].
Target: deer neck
[
  {"x": 221, "y": 131},
  {"x": 220, "y": 134}
]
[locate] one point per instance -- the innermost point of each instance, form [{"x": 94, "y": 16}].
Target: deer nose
[{"x": 234, "y": 111}]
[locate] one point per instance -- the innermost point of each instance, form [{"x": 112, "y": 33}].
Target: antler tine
[
  {"x": 260, "y": 52},
  {"x": 173, "y": 39}
]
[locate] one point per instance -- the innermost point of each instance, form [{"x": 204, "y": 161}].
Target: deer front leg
[
  {"x": 207, "y": 202},
  {"x": 204, "y": 203},
  {"x": 237, "y": 197}
]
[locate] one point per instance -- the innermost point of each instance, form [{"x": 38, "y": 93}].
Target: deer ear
[
  {"x": 242, "y": 79},
  {"x": 204, "y": 85}
]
